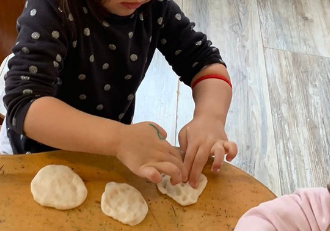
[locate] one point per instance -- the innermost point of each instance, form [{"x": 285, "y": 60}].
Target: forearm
[
  {"x": 137, "y": 146},
  {"x": 54, "y": 123},
  {"x": 212, "y": 96}
]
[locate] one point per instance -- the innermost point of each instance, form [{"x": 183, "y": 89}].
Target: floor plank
[
  {"x": 299, "y": 88},
  {"x": 296, "y": 25},
  {"x": 234, "y": 27}
]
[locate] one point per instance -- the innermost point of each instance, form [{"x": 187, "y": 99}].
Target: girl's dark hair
[{"x": 94, "y": 6}]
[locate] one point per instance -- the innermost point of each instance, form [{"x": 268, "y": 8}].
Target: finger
[
  {"x": 219, "y": 152},
  {"x": 190, "y": 156},
  {"x": 162, "y": 134},
  {"x": 231, "y": 150},
  {"x": 178, "y": 162},
  {"x": 183, "y": 139},
  {"x": 200, "y": 160},
  {"x": 169, "y": 169},
  {"x": 150, "y": 173}
]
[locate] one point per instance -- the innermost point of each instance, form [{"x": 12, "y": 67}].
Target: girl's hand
[
  {"x": 200, "y": 138},
  {"x": 143, "y": 149}
]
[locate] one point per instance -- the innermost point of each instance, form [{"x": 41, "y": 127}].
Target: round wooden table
[{"x": 226, "y": 197}]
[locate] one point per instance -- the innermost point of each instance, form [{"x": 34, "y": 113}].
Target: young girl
[
  {"x": 306, "y": 210},
  {"x": 77, "y": 67}
]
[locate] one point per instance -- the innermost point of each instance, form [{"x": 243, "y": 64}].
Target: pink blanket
[{"x": 305, "y": 210}]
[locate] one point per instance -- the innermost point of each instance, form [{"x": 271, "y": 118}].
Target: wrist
[
  {"x": 121, "y": 136},
  {"x": 110, "y": 137}
]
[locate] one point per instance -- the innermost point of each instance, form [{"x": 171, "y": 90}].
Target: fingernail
[
  {"x": 192, "y": 184},
  {"x": 172, "y": 182},
  {"x": 216, "y": 170}
]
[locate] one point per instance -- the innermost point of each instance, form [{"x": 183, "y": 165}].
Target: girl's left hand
[{"x": 201, "y": 137}]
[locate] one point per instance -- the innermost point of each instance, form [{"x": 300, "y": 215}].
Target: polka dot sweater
[{"x": 94, "y": 65}]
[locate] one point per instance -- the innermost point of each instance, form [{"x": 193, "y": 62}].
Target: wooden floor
[{"x": 278, "y": 55}]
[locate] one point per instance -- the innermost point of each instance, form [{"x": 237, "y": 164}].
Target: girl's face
[{"x": 122, "y": 7}]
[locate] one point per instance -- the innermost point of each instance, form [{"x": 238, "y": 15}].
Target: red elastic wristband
[{"x": 211, "y": 77}]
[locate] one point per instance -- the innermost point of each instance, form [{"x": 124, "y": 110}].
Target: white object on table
[{"x": 5, "y": 147}]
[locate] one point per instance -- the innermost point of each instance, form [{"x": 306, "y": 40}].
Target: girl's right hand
[{"x": 143, "y": 149}]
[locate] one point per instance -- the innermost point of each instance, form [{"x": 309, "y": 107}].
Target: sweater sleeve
[
  {"x": 186, "y": 50},
  {"x": 41, "y": 47},
  {"x": 305, "y": 210}
]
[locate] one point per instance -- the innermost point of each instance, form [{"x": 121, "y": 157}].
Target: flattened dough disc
[
  {"x": 124, "y": 203},
  {"x": 182, "y": 193},
  {"x": 59, "y": 187}
]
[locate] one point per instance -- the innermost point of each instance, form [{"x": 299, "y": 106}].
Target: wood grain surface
[
  {"x": 300, "y": 98},
  {"x": 296, "y": 25},
  {"x": 226, "y": 197}
]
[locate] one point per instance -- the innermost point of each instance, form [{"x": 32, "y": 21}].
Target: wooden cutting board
[{"x": 226, "y": 197}]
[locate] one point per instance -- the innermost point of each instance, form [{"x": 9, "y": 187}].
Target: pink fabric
[{"x": 305, "y": 210}]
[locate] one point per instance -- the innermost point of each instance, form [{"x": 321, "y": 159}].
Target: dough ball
[
  {"x": 59, "y": 187},
  {"x": 124, "y": 203},
  {"x": 182, "y": 193}
]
